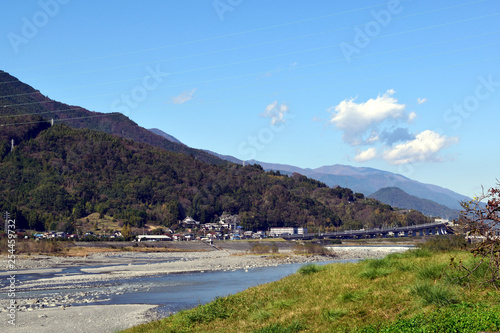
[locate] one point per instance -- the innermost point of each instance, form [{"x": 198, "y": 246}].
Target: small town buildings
[
  {"x": 142, "y": 238},
  {"x": 230, "y": 222},
  {"x": 278, "y": 232},
  {"x": 189, "y": 222},
  {"x": 259, "y": 234}
]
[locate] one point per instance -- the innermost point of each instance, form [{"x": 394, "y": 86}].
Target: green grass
[
  {"x": 281, "y": 328},
  {"x": 333, "y": 315},
  {"x": 432, "y": 294},
  {"x": 463, "y": 318},
  {"x": 400, "y": 293},
  {"x": 351, "y": 296},
  {"x": 310, "y": 269}
]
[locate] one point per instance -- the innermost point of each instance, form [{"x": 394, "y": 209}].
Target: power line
[
  {"x": 284, "y": 54},
  {"x": 39, "y": 113},
  {"x": 372, "y": 65},
  {"x": 215, "y": 37},
  {"x": 294, "y": 90},
  {"x": 301, "y": 66},
  {"x": 251, "y": 45},
  {"x": 355, "y": 81},
  {"x": 61, "y": 120}
]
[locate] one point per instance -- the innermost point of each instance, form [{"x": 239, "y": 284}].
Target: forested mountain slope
[
  {"x": 58, "y": 174},
  {"x": 18, "y": 98}
]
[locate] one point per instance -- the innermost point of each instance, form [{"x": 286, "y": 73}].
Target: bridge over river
[{"x": 413, "y": 230}]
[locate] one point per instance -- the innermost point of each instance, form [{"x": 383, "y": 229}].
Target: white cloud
[
  {"x": 423, "y": 148},
  {"x": 366, "y": 155},
  {"x": 412, "y": 116},
  {"x": 184, "y": 97},
  {"x": 276, "y": 112},
  {"x": 356, "y": 119},
  {"x": 421, "y": 100}
]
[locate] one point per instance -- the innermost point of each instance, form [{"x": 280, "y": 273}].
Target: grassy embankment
[{"x": 418, "y": 291}]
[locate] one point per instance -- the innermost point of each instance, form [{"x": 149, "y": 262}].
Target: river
[{"x": 172, "y": 292}]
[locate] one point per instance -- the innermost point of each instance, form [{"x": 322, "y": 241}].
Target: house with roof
[{"x": 189, "y": 222}]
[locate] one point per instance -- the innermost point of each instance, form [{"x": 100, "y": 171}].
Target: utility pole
[{"x": 12, "y": 145}]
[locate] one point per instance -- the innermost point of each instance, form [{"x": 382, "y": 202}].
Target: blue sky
[{"x": 411, "y": 87}]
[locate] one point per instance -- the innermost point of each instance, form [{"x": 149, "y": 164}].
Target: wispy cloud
[
  {"x": 184, "y": 97},
  {"x": 421, "y": 100},
  {"x": 424, "y": 148},
  {"x": 276, "y": 112}
]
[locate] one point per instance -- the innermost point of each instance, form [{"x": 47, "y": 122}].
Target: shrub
[
  {"x": 44, "y": 246},
  {"x": 311, "y": 249},
  {"x": 375, "y": 268},
  {"x": 444, "y": 243},
  {"x": 481, "y": 224},
  {"x": 417, "y": 253},
  {"x": 208, "y": 312},
  {"x": 431, "y": 271},
  {"x": 260, "y": 249},
  {"x": 474, "y": 271},
  {"x": 373, "y": 273},
  {"x": 378, "y": 263},
  {"x": 310, "y": 269},
  {"x": 434, "y": 294}
]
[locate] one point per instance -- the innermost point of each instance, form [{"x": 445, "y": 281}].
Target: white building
[
  {"x": 142, "y": 238},
  {"x": 277, "y": 232}
]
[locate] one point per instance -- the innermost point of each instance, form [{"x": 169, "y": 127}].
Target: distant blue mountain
[
  {"x": 359, "y": 179},
  {"x": 370, "y": 180},
  {"x": 396, "y": 197}
]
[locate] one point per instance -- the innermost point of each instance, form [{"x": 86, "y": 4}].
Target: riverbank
[
  {"x": 101, "y": 269},
  {"x": 414, "y": 291},
  {"x": 81, "y": 319}
]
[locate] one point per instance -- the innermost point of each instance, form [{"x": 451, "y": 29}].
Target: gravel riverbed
[{"x": 101, "y": 269}]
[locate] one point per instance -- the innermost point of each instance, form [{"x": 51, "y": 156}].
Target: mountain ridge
[
  {"x": 368, "y": 180},
  {"x": 396, "y": 197},
  {"x": 20, "y": 98},
  {"x": 165, "y": 135}
]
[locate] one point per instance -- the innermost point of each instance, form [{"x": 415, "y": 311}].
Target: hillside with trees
[
  {"x": 396, "y": 197},
  {"x": 56, "y": 175},
  {"x": 18, "y": 99}
]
